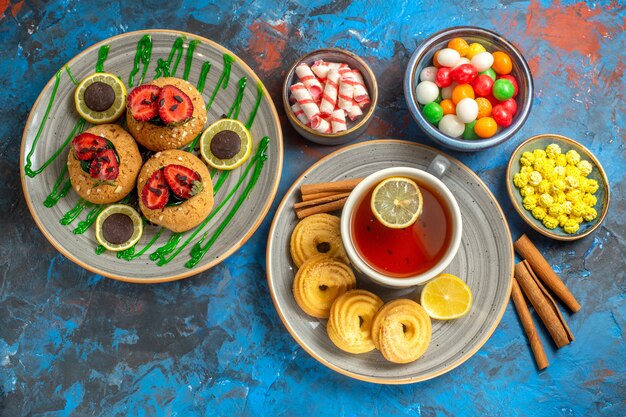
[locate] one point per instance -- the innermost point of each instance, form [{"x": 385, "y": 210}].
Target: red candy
[
  {"x": 464, "y": 74},
  {"x": 513, "y": 81},
  {"x": 510, "y": 105},
  {"x": 494, "y": 101},
  {"x": 501, "y": 115},
  {"x": 482, "y": 86},
  {"x": 443, "y": 78}
]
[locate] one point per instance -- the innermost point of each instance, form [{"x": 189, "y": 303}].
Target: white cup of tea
[{"x": 403, "y": 258}]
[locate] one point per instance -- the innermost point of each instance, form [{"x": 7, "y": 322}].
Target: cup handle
[{"x": 438, "y": 166}]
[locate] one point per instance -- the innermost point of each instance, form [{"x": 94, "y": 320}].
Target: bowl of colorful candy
[
  {"x": 558, "y": 187},
  {"x": 330, "y": 96},
  {"x": 468, "y": 88}
]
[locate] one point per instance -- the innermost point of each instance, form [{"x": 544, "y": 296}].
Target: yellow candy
[
  {"x": 571, "y": 226},
  {"x": 526, "y": 169},
  {"x": 563, "y": 218},
  {"x": 559, "y": 197},
  {"x": 584, "y": 167},
  {"x": 555, "y": 210},
  {"x": 526, "y": 190},
  {"x": 591, "y": 186},
  {"x": 590, "y": 214},
  {"x": 530, "y": 201},
  {"x": 558, "y": 185},
  {"x": 544, "y": 187},
  {"x": 520, "y": 179},
  {"x": 560, "y": 171},
  {"x": 545, "y": 200},
  {"x": 590, "y": 199},
  {"x": 527, "y": 159},
  {"x": 577, "y": 219},
  {"x": 539, "y": 213},
  {"x": 572, "y": 171},
  {"x": 561, "y": 160},
  {"x": 572, "y": 182},
  {"x": 474, "y": 48},
  {"x": 579, "y": 208},
  {"x": 572, "y": 157},
  {"x": 539, "y": 153},
  {"x": 535, "y": 178},
  {"x": 567, "y": 207},
  {"x": 573, "y": 195},
  {"x": 550, "y": 222},
  {"x": 553, "y": 150}
]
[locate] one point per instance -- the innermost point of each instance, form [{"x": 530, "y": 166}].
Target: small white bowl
[{"x": 355, "y": 198}]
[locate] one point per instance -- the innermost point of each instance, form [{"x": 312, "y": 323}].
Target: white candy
[
  {"x": 451, "y": 125},
  {"x": 448, "y": 57},
  {"x": 428, "y": 74},
  {"x": 446, "y": 92},
  {"x": 462, "y": 61},
  {"x": 482, "y": 61},
  {"x": 426, "y": 92},
  {"x": 467, "y": 110}
]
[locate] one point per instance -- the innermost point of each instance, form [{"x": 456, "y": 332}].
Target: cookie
[
  {"x": 317, "y": 234},
  {"x": 319, "y": 281},
  {"x": 107, "y": 191},
  {"x": 158, "y": 137},
  {"x": 401, "y": 331},
  {"x": 186, "y": 214},
  {"x": 350, "y": 321}
]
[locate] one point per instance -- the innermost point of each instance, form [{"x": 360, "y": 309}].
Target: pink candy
[{"x": 327, "y": 93}]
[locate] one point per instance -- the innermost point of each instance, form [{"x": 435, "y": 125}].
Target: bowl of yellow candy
[{"x": 558, "y": 187}]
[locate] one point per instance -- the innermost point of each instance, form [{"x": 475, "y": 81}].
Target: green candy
[
  {"x": 490, "y": 72},
  {"x": 503, "y": 89},
  {"x": 433, "y": 112},
  {"x": 469, "y": 133}
]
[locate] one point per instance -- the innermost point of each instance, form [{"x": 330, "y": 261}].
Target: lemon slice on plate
[
  {"x": 446, "y": 297},
  {"x": 118, "y": 227},
  {"x": 397, "y": 202},
  {"x": 226, "y": 144},
  {"x": 100, "y": 98}
]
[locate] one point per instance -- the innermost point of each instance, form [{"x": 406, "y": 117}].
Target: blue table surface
[{"x": 75, "y": 343}]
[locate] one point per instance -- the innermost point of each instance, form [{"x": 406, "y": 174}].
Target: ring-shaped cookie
[
  {"x": 402, "y": 331},
  {"x": 314, "y": 235},
  {"x": 319, "y": 281},
  {"x": 350, "y": 322}
]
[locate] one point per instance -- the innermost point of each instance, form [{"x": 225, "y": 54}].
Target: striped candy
[
  {"x": 338, "y": 121},
  {"x": 306, "y": 76},
  {"x": 360, "y": 92},
  {"x": 329, "y": 99},
  {"x": 299, "y": 113},
  {"x": 304, "y": 100},
  {"x": 346, "y": 91},
  {"x": 320, "y": 124}
]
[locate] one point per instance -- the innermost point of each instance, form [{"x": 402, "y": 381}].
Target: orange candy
[
  {"x": 435, "y": 62},
  {"x": 502, "y": 64},
  {"x": 485, "y": 127},
  {"x": 448, "y": 106},
  {"x": 484, "y": 107},
  {"x": 459, "y": 45},
  {"x": 462, "y": 91}
]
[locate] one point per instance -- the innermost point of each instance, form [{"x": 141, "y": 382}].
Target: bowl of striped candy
[
  {"x": 468, "y": 88},
  {"x": 329, "y": 96}
]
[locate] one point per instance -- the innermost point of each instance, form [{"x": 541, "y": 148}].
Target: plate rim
[
  {"x": 377, "y": 380},
  {"x": 192, "y": 271}
]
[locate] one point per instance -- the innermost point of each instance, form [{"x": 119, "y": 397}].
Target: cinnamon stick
[
  {"x": 335, "y": 186},
  {"x": 529, "y": 326},
  {"x": 541, "y": 305},
  {"x": 321, "y": 200},
  {"x": 538, "y": 263},
  {"x": 308, "y": 197},
  {"x": 321, "y": 208}
]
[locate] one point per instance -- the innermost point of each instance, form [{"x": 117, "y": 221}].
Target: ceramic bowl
[
  {"x": 423, "y": 57},
  {"x": 597, "y": 173},
  {"x": 355, "y": 128}
]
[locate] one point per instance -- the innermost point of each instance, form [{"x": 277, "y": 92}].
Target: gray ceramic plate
[
  {"x": 57, "y": 125},
  {"x": 484, "y": 260}
]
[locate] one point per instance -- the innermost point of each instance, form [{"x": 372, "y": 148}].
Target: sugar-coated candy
[
  {"x": 446, "y": 92},
  {"x": 467, "y": 110},
  {"x": 474, "y": 48},
  {"x": 433, "y": 112},
  {"x": 510, "y": 105},
  {"x": 502, "y": 116},
  {"x": 451, "y": 125},
  {"x": 486, "y": 127},
  {"x": 443, "y": 78},
  {"x": 448, "y": 57},
  {"x": 462, "y": 91},
  {"x": 491, "y": 73},
  {"x": 482, "y": 85},
  {"x": 459, "y": 45},
  {"x": 436, "y": 60},
  {"x": 503, "y": 89},
  {"x": 464, "y": 74},
  {"x": 482, "y": 61},
  {"x": 484, "y": 107},
  {"x": 469, "y": 132},
  {"x": 428, "y": 74},
  {"x": 513, "y": 81},
  {"x": 426, "y": 92},
  {"x": 502, "y": 63},
  {"x": 448, "y": 106}
]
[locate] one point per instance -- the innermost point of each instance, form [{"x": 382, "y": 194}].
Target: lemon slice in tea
[
  {"x": 100, "y": 98},
  {"x": 118, "y": 227},
  {"x": 397, "y": 202},
  {"x": 226, "y": 144},
  {"x": 446, "y": 297}
]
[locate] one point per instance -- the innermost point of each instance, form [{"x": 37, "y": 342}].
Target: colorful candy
[{"x": 468, "y": 91}]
